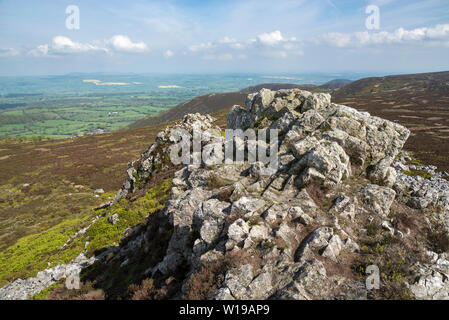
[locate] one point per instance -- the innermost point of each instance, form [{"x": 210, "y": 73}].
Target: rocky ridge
[
  {"x": 341, "y": 198},
  {"x": 284, "y": 239}
]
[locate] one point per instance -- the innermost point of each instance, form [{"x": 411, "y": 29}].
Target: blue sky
[{"x": 259, "y": 36}]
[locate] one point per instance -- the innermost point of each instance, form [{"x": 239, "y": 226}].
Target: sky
[{"x": 233, "y": 36}]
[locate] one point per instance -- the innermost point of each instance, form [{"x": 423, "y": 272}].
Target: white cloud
[
  {"x": 270, "y": 44},
  {"x": 123, "y": 43},
  {"x": 8, "y": 52},
  {"x": 65, "y": 45},
  {"x": 337, "y": 39},
  {"x": 438, "y": 34},
  {"x": 41, "y": 50},
  {"x": 201, "y": 47},
  {"x": 271, "y": 38},
  {"x": 232, "y": 43},
  {"x": 168, "y": 54}
]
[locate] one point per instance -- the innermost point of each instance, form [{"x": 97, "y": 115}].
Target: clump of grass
[
  {"x": 253, "y": 221},
  {"x": 46, "y": 292},
  {"x": 263, "y": 122},
  {"x": 216, "y": 182},
  {"x": 394, "y": 267},
  {"x": 438, "y": 239},
  {"x": 325, "y": 127},
  {"x": 372, "y": 229},
  {"x": 415, "y": 162},
  {"x": 415, "y": 173}
]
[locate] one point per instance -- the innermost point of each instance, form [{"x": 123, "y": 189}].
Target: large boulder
[{"x": 377, "y": 199}]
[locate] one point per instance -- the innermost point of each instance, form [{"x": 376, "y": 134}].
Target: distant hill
[
  {"x": 397, "y": 85},
  {"x": 423, "y": 81},
  {"x": 214, "y": 102},
  {"x": 208, "y": 103},
  {"x": 331, "y": 85},
  {"x": 278, "y": 86},
  {"x": 335, "y": 84}
]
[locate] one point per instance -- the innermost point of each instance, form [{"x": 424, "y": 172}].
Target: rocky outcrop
[
  {"x": 432, "y": 281},
  {"x": 422, "y": 187},
  {"x": 156, "y": 159},
  {"x": 293, "y": 233},
  {"x": 24, "y": 289},
  {"x": 281, "y": 239}
]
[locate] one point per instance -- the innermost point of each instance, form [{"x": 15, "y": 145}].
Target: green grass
[
  {"x": 415, "y": 173},
  {"x": 33, "y": 253},
  {"x": 104, "y": 233},
  {"x": 46, "y": 292},
  {"x": 416, "y": 162},
  {"x": 62, "y": 117},
  {"x": 37, "y": 252}
]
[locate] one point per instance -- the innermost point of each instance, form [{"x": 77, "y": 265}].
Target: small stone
[
  {"x": 333, "y": 249},
  {"x": 387, "y": 226},
  {"x": 238, "y": 231},
  {"x": 305, "y": 219},
  {"x": 399, "y": 234},
  {"x": 351, "y": 246},
  {"x": 113, "y": 219}
]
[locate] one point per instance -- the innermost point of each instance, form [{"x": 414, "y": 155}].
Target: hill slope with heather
[
  {"x": 344, "y": 196},
  {"x": 48, "y": 187}
]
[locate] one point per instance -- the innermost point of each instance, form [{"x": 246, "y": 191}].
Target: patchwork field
[{"x": 62, "y": 117}]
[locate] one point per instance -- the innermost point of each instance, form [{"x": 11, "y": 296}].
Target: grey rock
[
  {"x": 114, "y": 219},
  {"x": 377, "y": 199}
]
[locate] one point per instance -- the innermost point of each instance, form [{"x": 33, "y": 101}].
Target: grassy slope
[
  {"x": 36, "y": 252},
  {"x": 209, "y": 103},
  {"x": 429, "y": 81},
  {"x": 36, "y": 220},
  {"x": 62, "y": 175}
]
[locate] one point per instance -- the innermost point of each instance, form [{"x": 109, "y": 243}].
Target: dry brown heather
[
  {"x": 63, "y": 173},
  {"x": 425, "y": 113}
]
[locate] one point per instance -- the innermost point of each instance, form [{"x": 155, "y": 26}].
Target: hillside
[
  {"x": 331, "y": 85},
  {"x": 278, "y": 86},
  {"x": 336, "y": 84},
  {"x": 213, "y": 102},
  {"x": 418, "y": 101},
  {"x": 208, "y": 103},
  {"x": 341, "y": 199},
  {"x": 47, "y": 189},
  {"x": 436, "y": 81}
]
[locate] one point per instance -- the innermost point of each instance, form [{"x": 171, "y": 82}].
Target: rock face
[
  {"x": 23, "y": 289},
  {"x": 274, "y": 228},
  {"x": 420, "y": 192},
  {"x": 294, "y": 233},
  {"x": 157, "y": 158}
]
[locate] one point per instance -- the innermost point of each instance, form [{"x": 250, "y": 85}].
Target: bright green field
[{"x": 66, "y": 116}]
